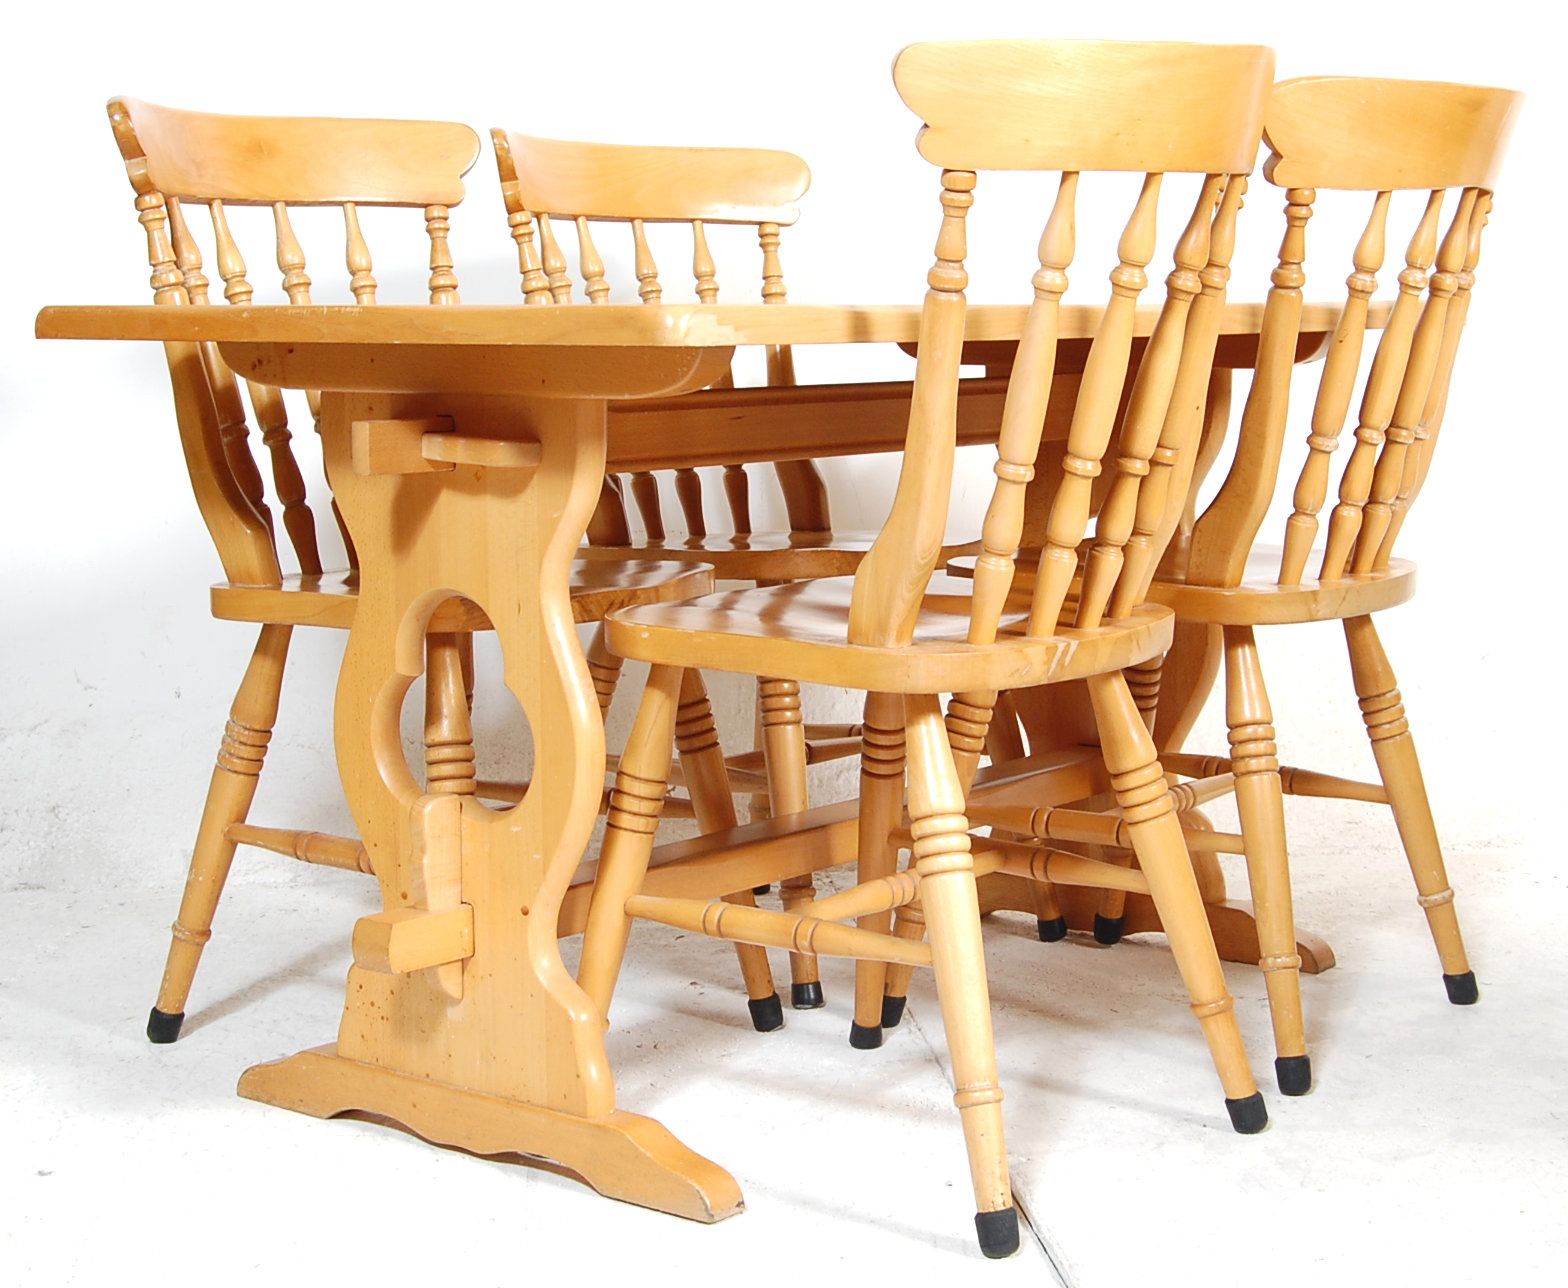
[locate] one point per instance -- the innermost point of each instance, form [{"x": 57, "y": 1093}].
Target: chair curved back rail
[
  {"x": 607, "y": 183},
  {"x": 177, "y": 158},
  {"x": 1358, "y": 135}
]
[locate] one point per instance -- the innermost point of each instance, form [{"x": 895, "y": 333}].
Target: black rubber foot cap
[
  {"x": 1107, "y": 930},
  {"x": 1462, "y": 990},
  {"x": 998, "y": 1232},
  {"x": 1294, "y": 1074},
  {"x": 805, "y": 997},
  {"x": 162, "y": 1027},
  {"x": 762, "y": 889},
  {"x": 865, "y": 1037},
  {"x": 1052, "y": 931},
  {"x": 1249, "y": 1115},
  {"x": 892, "y": 1011},
  {"x": 767, "y": 1013}
]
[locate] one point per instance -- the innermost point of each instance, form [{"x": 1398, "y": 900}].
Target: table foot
[
  {"x": 1231, "y": 921},
  {"x": 622, "y": 1155},
  {"x": 1235, "y": 931}
]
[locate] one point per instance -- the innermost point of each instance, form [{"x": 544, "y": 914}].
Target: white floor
[{"x": 1432, "y": 1150}]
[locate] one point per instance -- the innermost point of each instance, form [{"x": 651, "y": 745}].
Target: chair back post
[
  {"x": 226, "y": 496},
  {"x": 892, "y": 577}
]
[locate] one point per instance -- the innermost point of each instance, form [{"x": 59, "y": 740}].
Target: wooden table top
[
  {"x": 613, "y": 325},
  {"x": 665, "y": 413}
]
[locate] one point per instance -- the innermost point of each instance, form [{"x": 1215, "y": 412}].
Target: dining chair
[
  {"x": 904, "y": 636},
  {"x": 1430, "y": 152},
  {"x": 177, "y": 159},
  {"x": 623, "y": 189}
]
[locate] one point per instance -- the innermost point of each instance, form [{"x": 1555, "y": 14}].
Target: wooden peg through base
[
  {"x": 420, "y": 446},
  {"x": 410, "y": 939}
]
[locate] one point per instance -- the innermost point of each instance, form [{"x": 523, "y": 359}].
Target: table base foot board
[
  {"x": 1235, "y": 929},
  {"x": 622, "y": 1155},
  {"x": 1232, "y": 922}
]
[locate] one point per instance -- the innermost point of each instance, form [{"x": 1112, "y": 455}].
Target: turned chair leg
[
  {"x": 881, "y": 810},
  {"x": 1383, "y": 711},
  {"x": 1110, "y": 919},
  {"x": 233, "y": 788},
  {"x": 759, "y": 809},
  {"x": 1261, "y": 805},
  {"x": 708, "y": 784},
  {"x": 1004, "y": 741},
  {"x": 784, "y": 754},
  {"x": 1004, "y": 737},
  {"x": 605, "y": 669},
  {"x": 1155, "y": 832},
  {"x": 449, "y": 730},
  {"x": 635, "y": 804},
  {"x": 941, "y": 856},
  {"x": 465, "y": 656},
  {"x": 909, "y": 922},
  {"x": 1143, "y": 682}
]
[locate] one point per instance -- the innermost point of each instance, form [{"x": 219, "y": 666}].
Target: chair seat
[
  {"x": 759, "y": 556},
  {"x": 800, "y": 631},
  {"x": 328, "y": 599},
  {"x": 1259, "y": 601}
]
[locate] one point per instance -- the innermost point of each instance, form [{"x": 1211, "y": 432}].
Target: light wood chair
[
  {"x": 176, "y": 159},
  {"x": 604, "y": 185},
  {"x": 1431, "y": 151},
  {"x": 905, "y": 637}
]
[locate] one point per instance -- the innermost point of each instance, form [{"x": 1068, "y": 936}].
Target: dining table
[{"x": 466, "y": 447}]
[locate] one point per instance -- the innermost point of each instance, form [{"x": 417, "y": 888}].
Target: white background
[
  {"x": 111, "y": 667},
  {"x": 115, "y": 680}
]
